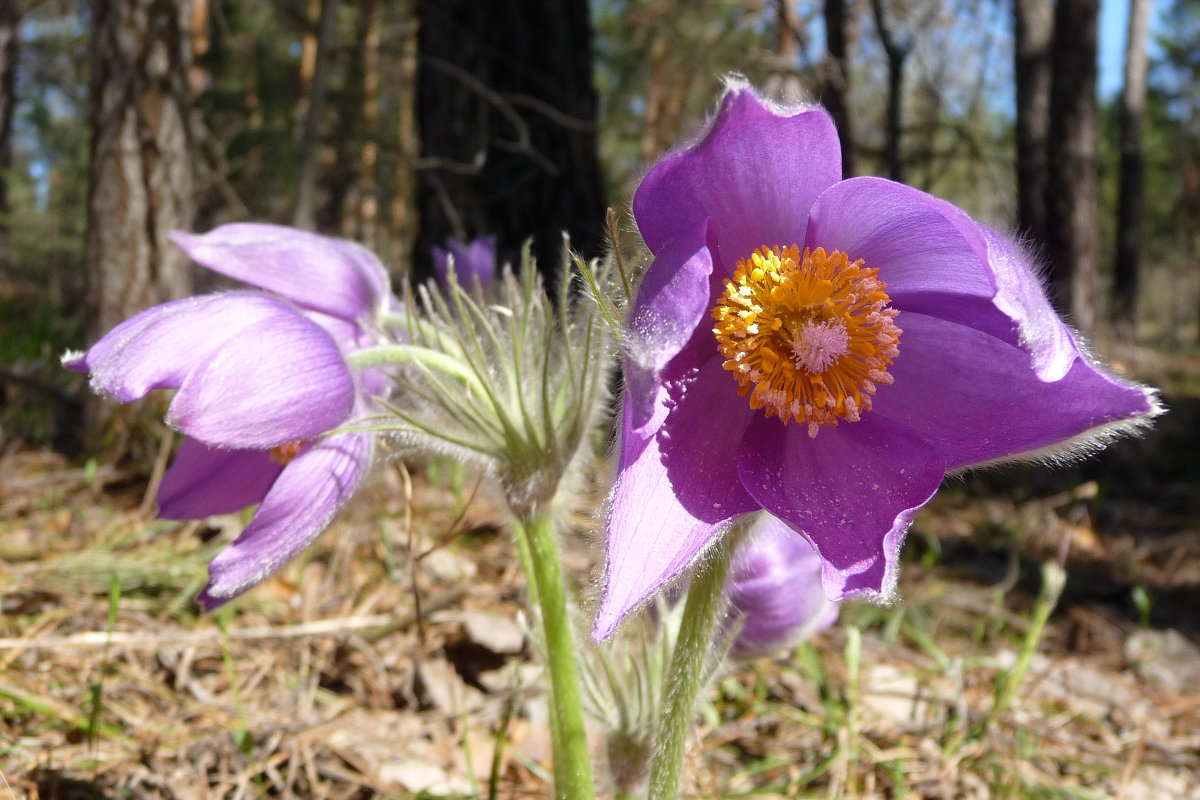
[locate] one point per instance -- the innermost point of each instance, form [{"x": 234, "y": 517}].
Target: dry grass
[{"x": 331, "y": 681}]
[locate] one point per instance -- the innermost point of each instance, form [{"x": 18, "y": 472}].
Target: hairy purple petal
[
  {"x": 853, "y": 490},
  {"x": 674, "y": 297},
  {"x": 159, "y": 347},
  {"x": 976, "y": 399},
  {"x": 307, "y": 495},
  {"x": 755, "y": 174},
  {"x": 204, "y": 481},
  {"x": 928, "y": 264},
  {"x": 283, "y": 379},
  {"x": 1040, "y": 329},
  {"x": 333, "y": 276},
  {"x": 660, "y": 521}
]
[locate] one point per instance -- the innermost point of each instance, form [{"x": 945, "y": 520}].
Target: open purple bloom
[
  {"x": 774, "y": 591},
  {"x": 825, "y": 350},
  {"x": 263, "y": 382},
  {"x": 472, "y": 262}
]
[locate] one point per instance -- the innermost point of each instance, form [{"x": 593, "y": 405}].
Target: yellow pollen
[
  {"x": 282, "y": 454},
  {"x": 807, "y": 337}
]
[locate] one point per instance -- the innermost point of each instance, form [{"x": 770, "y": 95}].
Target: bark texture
[
  {"x": 139, "y": 182},
  {"x": 1072, "y": 210},
  {"x": 1033, "y": 32},
  {"x": 1129, "y": 203},
  {"x": 835, "y": 82},
  {"x": 10, "y": 24},
  {"x": 897, "y": 51},
  {"x": 506, "y": 114}
]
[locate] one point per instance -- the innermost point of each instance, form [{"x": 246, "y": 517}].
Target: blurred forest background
[{"x": 399, "y": 123}]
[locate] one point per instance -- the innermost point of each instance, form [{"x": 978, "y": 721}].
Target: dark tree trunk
[
  {"x": 10, "y": 24},
  {"x": 1033, "y": 31},
  {"x": 835, "y": 83},
  {"x": 506, "y": 115},
  {"x": 1129, "y": 204},
  {"x": 140, "y": 179},
  {"x": 897, "y": 53},
  {"x": 1072, "y": 212},
  {"x": 303, "y": 212}
]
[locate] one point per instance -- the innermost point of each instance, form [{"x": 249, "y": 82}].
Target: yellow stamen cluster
[
  {"x": 808, "y": 338},
  {"x": 283, "y": 454}
]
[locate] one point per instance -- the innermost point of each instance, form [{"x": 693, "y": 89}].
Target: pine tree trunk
[
  {"x": 835, "y": 83},
  {"x": 304, "y": 210},
  {"x": 506, "y": 113},
  {"x": 139, "y": 180},
  {"x": 1033, "y": 31},
  {"x": 897, "y": 53},
  {"x": 10, "y": 25},
  {"x": 1129, "y": 204},
  {"x": 1072, "y": 211}
]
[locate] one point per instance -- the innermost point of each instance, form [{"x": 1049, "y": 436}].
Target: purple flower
[
  {"x": 825, "y": 350},
  {"x": 774, "y": 589},
  {"x": 472, "y": 262},
  {"x": 262, "y": 382}
]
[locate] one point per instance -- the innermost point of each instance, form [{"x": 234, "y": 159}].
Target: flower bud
[{"x": 774, "y": 591}]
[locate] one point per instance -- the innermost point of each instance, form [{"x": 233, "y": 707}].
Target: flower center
[
  {"x": 283, "y": 454},
  {"x": 808, "y": 338}
]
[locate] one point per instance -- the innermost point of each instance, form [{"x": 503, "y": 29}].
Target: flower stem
[
  {"x": 538, "y": 550},
  {"x": 1054, "y": 580},
  {"x": 685, "y": 676}
]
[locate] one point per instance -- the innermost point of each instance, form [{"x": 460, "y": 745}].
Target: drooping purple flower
[
  {"x": 263, "y": 385},
  {"x": 825, "y": 350},
  {"x": 473, "y": 262},
  {"x": 774, "y": 591}
]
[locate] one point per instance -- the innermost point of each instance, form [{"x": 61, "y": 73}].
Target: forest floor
[{"x": 361, "y": 671}]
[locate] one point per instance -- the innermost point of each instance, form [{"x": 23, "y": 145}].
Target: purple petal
[
  {"x": 755, "y": 173},
  {"x": 159, "y": 347},
  {"x": 204, "y": 481},
  {"x": 309, "y": 492},
  {"x": 281, "y": 380},
  {"x": 672, "y": 300},
  {"x": 333, "y": 276},
  {"x": 665, "y": 510},
  {"x": 852, "y": 490},
  {"x": 928, "y": 263},
  {"x": 774, "y": 585},
  {"x": 976, "y": 399},
  {"x": 1041, "y": 330}
]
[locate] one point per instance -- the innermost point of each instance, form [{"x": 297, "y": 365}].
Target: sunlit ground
[{"x": 331, "y": 680}]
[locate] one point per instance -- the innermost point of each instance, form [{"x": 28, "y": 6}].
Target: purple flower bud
[
  {"x": 774, "y": 590},
  {"x": 472, "y": 262}
]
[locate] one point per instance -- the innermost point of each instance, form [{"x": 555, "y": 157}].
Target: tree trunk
[
  {"x": 835, "y": 82},
  {"x": 303, "y": 212},
  {"x": 1033, "y": 30},
  {"x": 1072, "y": 211},
  {"x": 506, "y": 113},
  {"x": 1129, "y": 204},
  {"x": 10, "y": 29},
  {"x": 139, "y": 179},
  {"x": 897, "y": 53}
]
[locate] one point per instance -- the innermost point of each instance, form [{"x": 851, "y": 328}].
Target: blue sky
[{"x": 1114, "y": 15}]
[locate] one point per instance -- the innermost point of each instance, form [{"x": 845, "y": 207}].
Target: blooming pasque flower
[
  {"x": 472, "y": 262},
  {"x": 774, "y": 590},
  {"x": 261, "y": 379},
  {"x": 825, "y": 350}
]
